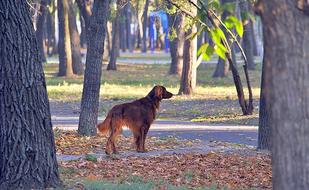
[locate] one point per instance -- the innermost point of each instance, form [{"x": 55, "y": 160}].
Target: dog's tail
[{"x": 105, "y": 126}]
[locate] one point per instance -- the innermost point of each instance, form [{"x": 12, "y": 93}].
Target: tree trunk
[
  {"x": 222, "y": 68},
  {"x": 91, "y": 92},
  {"x": 85, "y": 10},
  {"x": 40, "y": 29},
  {"x": 128, "y": 15},
  {"x": 123, "y": 36},
  {"x": 28, "y": 155},
  {"x": 83, "y": 38},
  {"x": 176, "y": 45},
  {"x": 145, "y": 23},
  {"x": 77, "y": 64},
  {"x": 188, "y": 77},
  {"x": 50, "y": 27},
  {"x": 64, "y": 44},
  {"x": 108, "y": 41},
  {"x": 264, "y": 139},
  {"x": 286, "y": 39},
  {"x": 115, "y": 42},
  {"x": 139, "y": 12},
  {"x": 248, "y": 35}
]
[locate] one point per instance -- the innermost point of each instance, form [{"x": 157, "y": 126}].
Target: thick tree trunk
[
  {"x": 64, "y": 44},
  {"x": 264, "y": 139},
  {"x": 91, "y": 92},
  {"x": 28, "y": 155},
  {"x": 115, "y": 42},
  {"x": 77, "y": 64},
  {"x": 40, "y": 29},
  {"x": 188, "y": 77},
  {"x": 248, "y": 35},
  {"x": 145, "y": 23},
  {"x": 286, "y": 39},
  {"x": 176, "y": 45}
]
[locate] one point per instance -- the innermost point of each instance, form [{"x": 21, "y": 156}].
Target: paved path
[{"x": 185, "y": 130}]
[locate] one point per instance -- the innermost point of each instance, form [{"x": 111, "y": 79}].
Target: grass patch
[{"x": 134, "y": 81}]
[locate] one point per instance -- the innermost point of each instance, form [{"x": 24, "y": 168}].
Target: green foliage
[
  {"x": 172, "y": 34},
  {"x": 233, "y": 22},
  {"x": 208, "y": 16},
  {"x": 206, "y": 50}
]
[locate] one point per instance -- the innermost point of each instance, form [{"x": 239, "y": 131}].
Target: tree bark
[
  {"x": 248, "y": 35},
  {"x": 85, "y": 10},
  {"x": 176, "y": 45},
  {"x": 77, "y": 64},
  {"x": 222, "y": 68},
  {"x": 264, "y": 137},
  {"x": 286, "y": 39},
  {"x": 50, "y": 27},
  {"x": 145, "y": 23},
  {"x": 91, "y": 92},
  {"x": 188, "y": 76},
  {"x": 123, "y": 28},
  {"x": 139, "y": 12},
  {"x": 64, "y": 44},
  {"x": 83, "y": 37},
  {"x": 128, "y": 15},
  {"x": 115, "y": 42},
  {"x": 28, "y": 155},
  {"x": 40, "y": 28}
]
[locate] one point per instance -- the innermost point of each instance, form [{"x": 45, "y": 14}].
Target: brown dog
[{"x": 137, "y": 116}]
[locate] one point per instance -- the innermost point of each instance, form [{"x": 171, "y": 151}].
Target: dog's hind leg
[
  {"x": 111, "y": 142},
  {"x": 115, "y": 131}
]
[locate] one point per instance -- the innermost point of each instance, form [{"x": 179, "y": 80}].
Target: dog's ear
[{"x": 158, "y": 92}]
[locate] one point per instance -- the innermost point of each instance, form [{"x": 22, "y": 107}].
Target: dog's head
[{"x": 160, "y": 93}]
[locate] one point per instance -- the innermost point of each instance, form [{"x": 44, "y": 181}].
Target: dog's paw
[{"x": 142, "y": 151}]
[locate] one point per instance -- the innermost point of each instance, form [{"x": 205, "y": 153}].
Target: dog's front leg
[
  {"x": 146, "y": 129},
  {"x": 140, "y": 142}
]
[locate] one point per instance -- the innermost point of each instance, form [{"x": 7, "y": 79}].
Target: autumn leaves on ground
[
  {"x": 224, "y": 166},
  {"x": 245, "y": 169}
]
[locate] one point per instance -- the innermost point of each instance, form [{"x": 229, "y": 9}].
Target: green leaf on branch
[
  {"x": 217, "y": 35},
  {"x": 232, "y": 21},
  {"x": 206, "y": 51},
  {"x": 220, "y": 50}
]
